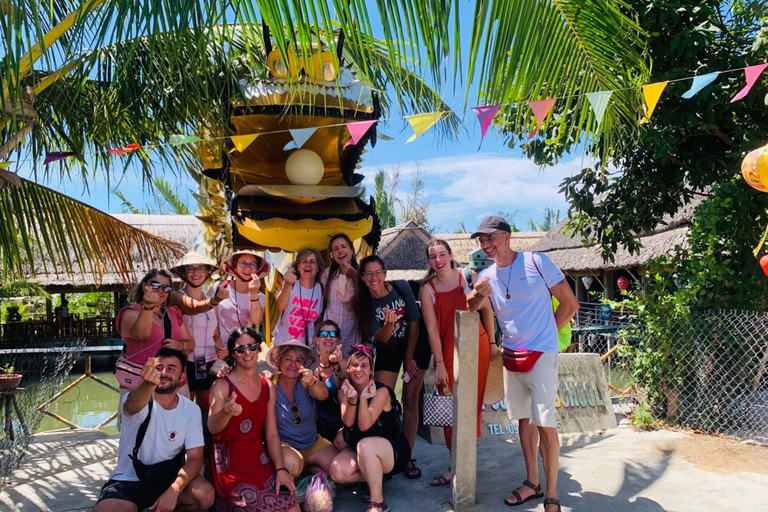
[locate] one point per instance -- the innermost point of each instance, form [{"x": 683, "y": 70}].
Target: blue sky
[{"x": 462, "y": 183}]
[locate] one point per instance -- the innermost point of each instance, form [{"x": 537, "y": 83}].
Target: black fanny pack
[{"x": 160, "y": 476}]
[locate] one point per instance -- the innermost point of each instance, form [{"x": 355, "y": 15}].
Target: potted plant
[{"x": 8, "y": 378}]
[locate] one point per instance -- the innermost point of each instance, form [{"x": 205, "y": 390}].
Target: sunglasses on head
[
  {"x": 326, "y": 334},
  {"x": 161, "y": 287},
  {"x": 296, "y": 416},
  {"x": 253, "y": 347}
]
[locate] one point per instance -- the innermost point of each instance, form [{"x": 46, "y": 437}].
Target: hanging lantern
[
  {"x": 754, "y": 168},
  {"x": 623, "y": 283},
  {"x": 587, "y": 280},
  {"x": 764, "y": 264}
]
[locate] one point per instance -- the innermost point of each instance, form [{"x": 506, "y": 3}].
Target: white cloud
[{"x": 469, "y": 187}]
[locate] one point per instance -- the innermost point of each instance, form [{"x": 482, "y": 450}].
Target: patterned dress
[{"x": 243, "y": 474}]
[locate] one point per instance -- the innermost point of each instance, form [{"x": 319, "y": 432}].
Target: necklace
[{"x": 509, "y": 277}]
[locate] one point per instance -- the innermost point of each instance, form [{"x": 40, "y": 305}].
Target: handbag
[
  {"x": 520, "y": 361},
  {"x": 128, "y": 373},
  {"x": 438, "y": 409},
  {"x": 160, "y": 476}
]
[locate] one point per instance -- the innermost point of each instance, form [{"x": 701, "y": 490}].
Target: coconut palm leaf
[{"x": 74, "y": 237}]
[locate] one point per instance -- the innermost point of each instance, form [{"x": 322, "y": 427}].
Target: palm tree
[
  {"x": 166, "y": 200},
  {"x": 415, "y": 205},
  {"x": 89, "y": 75},
  {"x": 550, "y": 220},
  {"x": 384, "y": 194}
]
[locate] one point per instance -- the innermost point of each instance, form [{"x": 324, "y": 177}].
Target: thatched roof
[
  {"x": 182, "y": 229},
  {"x": 568, "y": 252},
  {"x": 402, "y": 247},
  {"x": 462, "y": 245}
]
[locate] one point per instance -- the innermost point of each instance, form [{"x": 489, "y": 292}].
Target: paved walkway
[{"x": 614, "y": 470}]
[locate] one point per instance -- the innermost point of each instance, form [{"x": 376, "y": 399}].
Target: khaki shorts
[
  {"x": 321, "y": 444},
  {"x": 532, "y": 394}
]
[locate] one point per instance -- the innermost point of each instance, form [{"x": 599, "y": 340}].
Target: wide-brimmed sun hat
[
  {"x": 494, "y": 385},
  {"x": 192, "y": 258},
  {"x": 276, "y": 352},
  {"x": 262, "y": 271}
]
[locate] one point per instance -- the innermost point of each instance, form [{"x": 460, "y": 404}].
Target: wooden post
[{"x": 464, "y": 452}]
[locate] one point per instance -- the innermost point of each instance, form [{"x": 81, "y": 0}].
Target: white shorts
[{"x": 532, "y": 394}]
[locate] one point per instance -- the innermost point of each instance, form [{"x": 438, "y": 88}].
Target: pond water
[{"x": 88, "y": 404}]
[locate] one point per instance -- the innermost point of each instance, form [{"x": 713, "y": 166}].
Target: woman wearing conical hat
[
  {"x": 195, "y": 270},
  {"x": 244, "y": 307}
]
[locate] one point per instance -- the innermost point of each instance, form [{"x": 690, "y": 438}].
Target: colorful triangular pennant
[
  {"x": 752, "y": 73},
  {"x": 652, "y": 93},
  {"x": 5, "y": 165},
  {"x": 241, "y": 142},
  {"x": 485, "y": 117},
  {"x": 357, "y": 130},
  {"x": 59, "y": 155},
  {"x": 300, "y": 137},
  {"x": 540, "y": 110},
  {"x": 599, "y": 103},
  {"x": 124, "y": 150},
  {"x": 421, "y": 123},
  {"x": 176, "y": 140},
  {"x": 700, "y": 82}
]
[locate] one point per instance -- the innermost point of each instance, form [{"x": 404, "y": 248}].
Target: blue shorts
[{"x": 135, "y": 492}]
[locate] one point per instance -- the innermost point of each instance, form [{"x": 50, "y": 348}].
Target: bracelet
[
  {"x": 437, "y": 362},
  {"x": 409, "y": 359},
  {"x": 212, "y": 303},
  {"x": 352, "y": 404},
  {"x": 281, "y": 469},
  {"x": 254, "y": 300},
  {"x": 478, "y": 294},
  {"x": 314, "y": 382},
  {"x": 183, "y": 345}
]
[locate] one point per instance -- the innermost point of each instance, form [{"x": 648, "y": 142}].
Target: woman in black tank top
[{"x": 373, "y": 444}]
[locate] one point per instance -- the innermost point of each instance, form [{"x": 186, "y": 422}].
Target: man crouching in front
[{"x": 159, "y": 428}]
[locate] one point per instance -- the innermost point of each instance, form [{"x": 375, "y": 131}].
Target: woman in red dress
[
  {"x": 444, "y": 291},
  {"x": 247, "y": 477}
]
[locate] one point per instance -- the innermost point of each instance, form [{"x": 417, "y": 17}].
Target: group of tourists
[{"x": 343, "y": 336}]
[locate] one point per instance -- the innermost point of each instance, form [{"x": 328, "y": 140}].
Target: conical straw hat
[
  {"x": 262, "y": 271},
  {"x": 192, "y": 258},
  {"x": 494, "y": 385}
]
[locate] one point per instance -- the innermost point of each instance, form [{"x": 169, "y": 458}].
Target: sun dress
[
  {"x": 243, "y": 473},
  {"x": 446, "y": 305}
]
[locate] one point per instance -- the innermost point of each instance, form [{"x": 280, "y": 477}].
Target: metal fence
[{"x": 700, "y": 369}]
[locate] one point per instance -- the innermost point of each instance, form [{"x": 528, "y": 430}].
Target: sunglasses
[
  {"x": 325, "y": 334},
  {"x": 296, "y": 417},
  {"x": 190, "y": 269},
  {"x": 245, "y": 264},
  {"x": 161, "y": 287},
  {"x": 253, "y": 347},
  {"x": 361, "y": 349}
]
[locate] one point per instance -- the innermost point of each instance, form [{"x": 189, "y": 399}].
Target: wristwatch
[{"x": 478, "y": 294}]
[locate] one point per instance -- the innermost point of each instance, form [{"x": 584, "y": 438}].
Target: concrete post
[{"x": 464, "y": 452}]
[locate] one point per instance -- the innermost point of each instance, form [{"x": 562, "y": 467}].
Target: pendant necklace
[{"x": 509, "y": 277}]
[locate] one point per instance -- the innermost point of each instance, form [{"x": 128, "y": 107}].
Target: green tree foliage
[
  {"x": 384, "y": 183},
  {"x": 549, "y": 220}
]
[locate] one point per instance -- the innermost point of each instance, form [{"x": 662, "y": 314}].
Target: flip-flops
[{"x": 520, "y": 500}]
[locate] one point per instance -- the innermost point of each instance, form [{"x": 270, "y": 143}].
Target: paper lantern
[
  {"x": 304, "y": 167},
  {"x": 587, "y": 280},
  {"x": 754, "y": 168},
  {"x": 623, "y": 283},
  {"x": 764, "y": 264}
]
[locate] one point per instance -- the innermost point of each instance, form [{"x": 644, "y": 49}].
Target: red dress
[
  {"x": 446, "y": 305},
  {"x": 243, "y": 474}
]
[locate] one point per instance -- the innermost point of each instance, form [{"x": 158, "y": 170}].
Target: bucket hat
[
  {"x": 262, "y": 271},
  {"x": 192, "y": 258},
  {"x": 274, "y": 354}
]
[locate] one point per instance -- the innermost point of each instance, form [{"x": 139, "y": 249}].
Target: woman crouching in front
[
  {"x": 247, "y": 477},
  {"x": 373, "y": 444}
]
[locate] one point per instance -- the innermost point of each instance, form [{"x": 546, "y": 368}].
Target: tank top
[
  {"x": 304, "y": 434},
  {"x": 388, "y": 425},
  {"x": 201, "y": 328}
]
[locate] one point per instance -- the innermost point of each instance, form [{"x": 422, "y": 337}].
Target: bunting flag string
[
  {"x": 598, "y": 101},
  {"x": 357, "y": 131},
  {"x": 752, "y": 73},
  {"x": 421, "y": 123},
  {"x": 485, "y": 117}
]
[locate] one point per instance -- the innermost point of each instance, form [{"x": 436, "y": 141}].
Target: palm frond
[
  {"x": 127, "y": 205},
  {"x": 176, "y": 203},
  {"x": 73, "y": 236}
]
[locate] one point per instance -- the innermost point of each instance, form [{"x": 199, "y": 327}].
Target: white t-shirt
[
  {"x": 167, "y": 433},
  {"x": 201, "y": 328},
  {"x": 526, "y": 318}
]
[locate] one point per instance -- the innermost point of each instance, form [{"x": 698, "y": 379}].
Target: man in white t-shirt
[
  {"x": 174, "y": 425},
  {"x": 519, "y": 285}
]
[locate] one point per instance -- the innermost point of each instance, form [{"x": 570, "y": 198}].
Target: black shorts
[
  {"x": 194, "y": 383},
  {"x": 402, "y": 451},
  {"x": 391, "y": 360},
  {"x": 135, "y": 492}
]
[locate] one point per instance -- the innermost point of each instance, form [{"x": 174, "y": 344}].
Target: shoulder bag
[
  {"x": 438, "y": 409},
  {"x": 158, "y": 477},
  {"x": 127, "y": 372}
]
